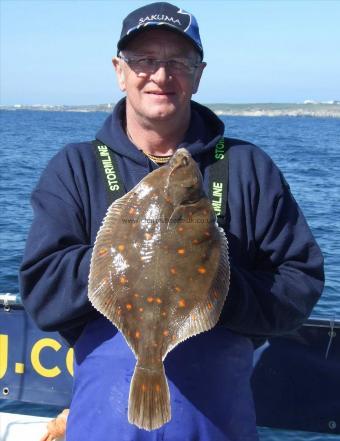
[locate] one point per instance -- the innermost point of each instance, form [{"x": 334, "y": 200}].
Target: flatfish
[{"x": 160, "y": 273}]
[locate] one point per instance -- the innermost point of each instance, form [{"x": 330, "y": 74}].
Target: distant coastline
[{"x": 310, "y": 108}]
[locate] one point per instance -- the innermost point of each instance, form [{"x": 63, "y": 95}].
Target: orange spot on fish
[
  {"x": 181, "y": 303},
  {"x": 207, "y": 233},
  {"x": 150, "y": 299},
  {"x": 209, "y": 305},
  {"x": 173, "y": 270},
  {"x": 181, "y": 251},
  {"x": 132, "y": 211},
  {"x": 158, "y": 388},
  {"x": 136, "y": 295},
  {"x": 137, "y": 334},
  {"x": 144, "y": 388},
  {"x": 166, "y": 333},
  {"x": 180, "y": 229},
  {"x": 102, "y": 251},
  {"x": 177, "y": 289},
  {"x": 121, "y": 247},
  {"x": 128, "y": 306},
  {"x": 193, "y": 317},
  {"x": 148, "y": 236},
  {"x": 141, "y": 309},
  {"x": 158, "y": 300},
  {"x": 164, "y": 314},
  {"x": 195, "y": 241},
  {"x": 123, "y": 280},
  {"x": 202, "y": 270}
]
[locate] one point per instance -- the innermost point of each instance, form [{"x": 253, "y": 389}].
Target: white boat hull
[{"x": 15, "y": 427}]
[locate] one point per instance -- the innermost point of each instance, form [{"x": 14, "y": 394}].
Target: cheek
[
  {"x": 197, "y": 78},
  {"x": 134, "y": 87},
  {"x": 196, "y": 82},
  {"x": 188, "y": 86}
]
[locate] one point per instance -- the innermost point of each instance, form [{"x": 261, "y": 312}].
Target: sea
[{"x": 303, "y": 140}]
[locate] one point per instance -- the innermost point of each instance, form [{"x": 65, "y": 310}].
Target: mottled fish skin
[{"x": 160, "y": 273}]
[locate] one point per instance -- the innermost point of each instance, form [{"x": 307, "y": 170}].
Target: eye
[
  {"x": 185, "y": 161},
  {"x": 177, "y": 65},
  {"x": 146, "y": 62}
]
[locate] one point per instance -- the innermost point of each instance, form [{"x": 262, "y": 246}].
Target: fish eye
[{"x": 185, "y": 161}]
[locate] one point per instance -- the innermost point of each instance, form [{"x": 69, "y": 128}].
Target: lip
[{"x": 160, "y": 93}]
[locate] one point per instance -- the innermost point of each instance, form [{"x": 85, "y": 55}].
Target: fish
[{"x": 159, "y": 272}]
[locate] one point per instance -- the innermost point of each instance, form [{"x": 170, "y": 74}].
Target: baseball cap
[{"x": 160, "y": 15}]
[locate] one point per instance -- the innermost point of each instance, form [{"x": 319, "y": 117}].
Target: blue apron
[{"x": 209, "y": 382}]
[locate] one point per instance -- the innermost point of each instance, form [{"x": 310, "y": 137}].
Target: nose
[{"x": 161, "y": 75}]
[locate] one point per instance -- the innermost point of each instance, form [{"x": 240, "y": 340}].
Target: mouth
[{"x": 161, "y": 93}]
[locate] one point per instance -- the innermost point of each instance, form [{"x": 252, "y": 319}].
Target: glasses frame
[{"x": 189, "y": 69}]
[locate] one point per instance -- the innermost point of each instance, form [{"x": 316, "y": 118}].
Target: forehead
[{"x": 155, "y": 41}]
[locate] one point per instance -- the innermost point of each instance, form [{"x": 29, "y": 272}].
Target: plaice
[{"x": 160, "y": 273}]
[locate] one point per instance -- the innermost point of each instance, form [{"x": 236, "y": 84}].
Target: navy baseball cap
[{"x": 160, "y": 15}]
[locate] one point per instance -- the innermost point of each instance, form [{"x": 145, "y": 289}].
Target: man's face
[{"x": 162, "y": 94}]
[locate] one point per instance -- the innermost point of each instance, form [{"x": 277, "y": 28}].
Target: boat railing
[{"x": 9, "y": 300}]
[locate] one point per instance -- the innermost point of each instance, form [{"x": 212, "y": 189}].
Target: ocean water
[{"x": 306, "y": 148}]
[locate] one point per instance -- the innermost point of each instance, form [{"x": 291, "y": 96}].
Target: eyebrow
[{"x": 155, "y": 54}]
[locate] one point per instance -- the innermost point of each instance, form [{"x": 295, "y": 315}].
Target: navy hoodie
[
  {"x": 276, "y": 265},
  {"x": 276, "y": 278}
]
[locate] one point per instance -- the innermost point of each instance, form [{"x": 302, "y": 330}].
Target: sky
[{"x": 60, "y": 51}]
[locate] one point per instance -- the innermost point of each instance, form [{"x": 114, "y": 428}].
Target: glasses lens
[
  {"x": 180, "y": 66},
  {"x": 151, "y": 65}
]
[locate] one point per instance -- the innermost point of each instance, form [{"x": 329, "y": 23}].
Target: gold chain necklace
[
  {"x": 154, "y": 158},
  {"x": 158, "y": 159}
]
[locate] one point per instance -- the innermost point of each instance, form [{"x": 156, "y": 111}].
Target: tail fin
[{"x": 149, "y": 400}]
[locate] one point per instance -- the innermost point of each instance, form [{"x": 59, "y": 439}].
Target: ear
[
  {"x": 119, "y": 72},
  {"x": 197, "y": 77}
]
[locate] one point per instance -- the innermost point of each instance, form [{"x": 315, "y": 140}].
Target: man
[{"x": 276, "y": 266}]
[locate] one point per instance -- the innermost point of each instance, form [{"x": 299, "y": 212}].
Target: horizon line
[{"x": 112, "y": 104}]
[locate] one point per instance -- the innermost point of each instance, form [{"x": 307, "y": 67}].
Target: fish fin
[
  {"x": 220, "y": 287},
  {"x": 210, "y": 311},
  {"x": 101, "y": 292},
  {"x": 149, "y": 399},
  {"x": 207, "y": 313}
]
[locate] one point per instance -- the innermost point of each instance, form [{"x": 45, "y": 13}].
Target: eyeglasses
[{"x": 148, "y": 65}]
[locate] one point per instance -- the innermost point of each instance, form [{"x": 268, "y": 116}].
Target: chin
[{"x": 161, "y": 114}]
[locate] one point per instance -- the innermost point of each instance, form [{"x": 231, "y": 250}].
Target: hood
[{"x": 204, "y": 131}]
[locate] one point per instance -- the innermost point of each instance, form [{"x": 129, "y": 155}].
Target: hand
[{"x": 56, "y": 428}]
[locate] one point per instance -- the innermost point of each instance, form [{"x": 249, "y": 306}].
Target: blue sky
[{"x": 59, "y": 52}]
